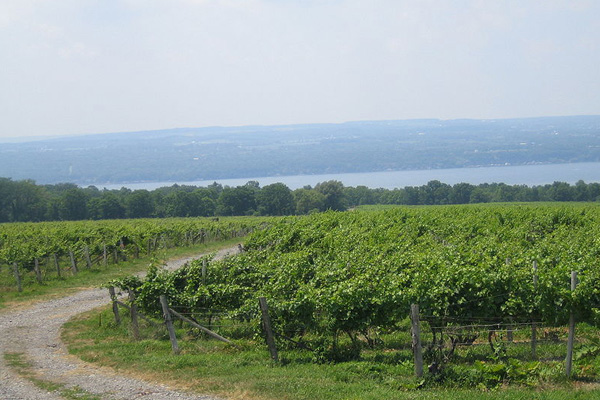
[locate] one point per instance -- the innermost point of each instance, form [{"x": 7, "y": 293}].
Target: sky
[{"x": 96, "y": 66}]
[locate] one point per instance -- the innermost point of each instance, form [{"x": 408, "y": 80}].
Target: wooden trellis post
[
  {"x": 134, "y": 316},
  {"x": 416, "y": 339},
  {"x": 73, "y": 262},
  {"x": 17, "y": 276},
  {"x": 169, "y": 323},
  {"x": 571, "y": 339},
  {"x": 56, "y": 264},
  {"x": 267, "y": 326},
  {"x": 115, "y": 307},
  {"x": 36, "y": 269},
  {"x": 510, "y": 327},
  {"x": 533, "y": 323},
  {"x": 88, "y": 260}
]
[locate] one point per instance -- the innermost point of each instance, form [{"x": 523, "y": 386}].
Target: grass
[
  {"x": 206, "y": 366},
  {"x": 59, "y": 287}
]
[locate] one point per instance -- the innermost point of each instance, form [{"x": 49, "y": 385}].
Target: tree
[
  {"x": 111, "y": 207},
  {"x": 480, "y": 195},
  {"x": 275, "y": 199},
  {"x": 73, "y": 205},
  {"x": 6, "y": 188},
  {"x": 21, "y": 201},
  {"x": 308, "y": 200},
  {"x": 581, "y": 191},
  {"x": 178, "y": 204},
  {"x": 461, "y": 193},
  {"x": 359, "y": 195},
  {"x": 236, "y": 201},
  {"x": 435, "y": 192},
  {"x": 562, "y": 191},
  {"x": 139, "y": 204},
  {"x": 334, "y": 195}
]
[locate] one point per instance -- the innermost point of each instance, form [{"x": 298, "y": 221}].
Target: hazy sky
[{"x": 94, "y": 66}]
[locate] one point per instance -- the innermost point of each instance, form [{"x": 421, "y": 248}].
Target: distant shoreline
[{"x": 530, "y": 175}]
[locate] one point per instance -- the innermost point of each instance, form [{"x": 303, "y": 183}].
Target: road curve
[{"x": 35, "y": 333}]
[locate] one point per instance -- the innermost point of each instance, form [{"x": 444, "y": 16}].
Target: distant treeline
[{"x": 26, "y": 201}]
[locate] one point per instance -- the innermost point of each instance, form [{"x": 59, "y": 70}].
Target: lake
[{"x": 529, "y": 175}]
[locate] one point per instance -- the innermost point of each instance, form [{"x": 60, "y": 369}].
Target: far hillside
[{"x": 214, "y": 153}]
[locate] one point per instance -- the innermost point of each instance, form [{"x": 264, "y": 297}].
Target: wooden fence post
[
  {"x": 86, "y": 254},
  {"x": 56, "y": 264},
  {"x": 122, "y": 247},
  {"x": 416, "y": 339},
  {"x": 571, "y": 339},
  {"x": 204, "y": 272},
  {"x": 73, "y": 262},
  {"x": 115, "y": 307},
  {"x": 104, "y": 255},
  {"x": 88, "y": 260},
  {"x": 533, "y": 323},
  {"x": 267, "y": 326},
  {"x": 510, "y": 327},
  {"x": 134, "y": 316},
  {"x": 38, "y": 272},
  {"x": 169, "y": 323},
  {"x": 17, "y": 276}
]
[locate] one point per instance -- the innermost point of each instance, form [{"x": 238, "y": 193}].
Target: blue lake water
[{"x": 513, "y": 175}]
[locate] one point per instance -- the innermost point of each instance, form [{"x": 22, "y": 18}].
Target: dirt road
[{"x": 34, "y": 334}]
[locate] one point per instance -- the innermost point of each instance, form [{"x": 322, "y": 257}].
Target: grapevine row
[
  {"x": 357, "y": 273},
  {"x": 27, "y": 244}
]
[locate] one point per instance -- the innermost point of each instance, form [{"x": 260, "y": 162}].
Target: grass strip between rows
[{"x": 211, "y": 367}]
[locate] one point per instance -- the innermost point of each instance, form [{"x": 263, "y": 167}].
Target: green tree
[
  {"x": 308, "y": 200},
  {"x": 73, "y": 205},
  {"x": 28, "y": 202},
  {"x": 435, "y": 192},
  {"x": 275, "y": 199},
  {"x": 461, "y": 193},
  {"x": 178, "y": 204},
  {"x": 236, "y": 201},
  {"x": 359, "y": 195},
  {"x": 111, "y": 207},
  {"x": 562, "y": 191},
  {"x": 203, "y": 204},
  {"x": 480, "y": 195},
  {"x": 138, "y": 204},
  {"x": 334, "y": 195}
]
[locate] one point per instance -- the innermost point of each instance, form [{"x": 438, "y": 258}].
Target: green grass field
[{"x": 208, "y": 366}]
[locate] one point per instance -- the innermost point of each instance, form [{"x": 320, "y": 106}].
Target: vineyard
[
  {"x": 36, "y": 253},
  {"x": 340, "y": 286}
]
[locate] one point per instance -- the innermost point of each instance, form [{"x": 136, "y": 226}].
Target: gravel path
[{"x": 35, "y": 332}]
